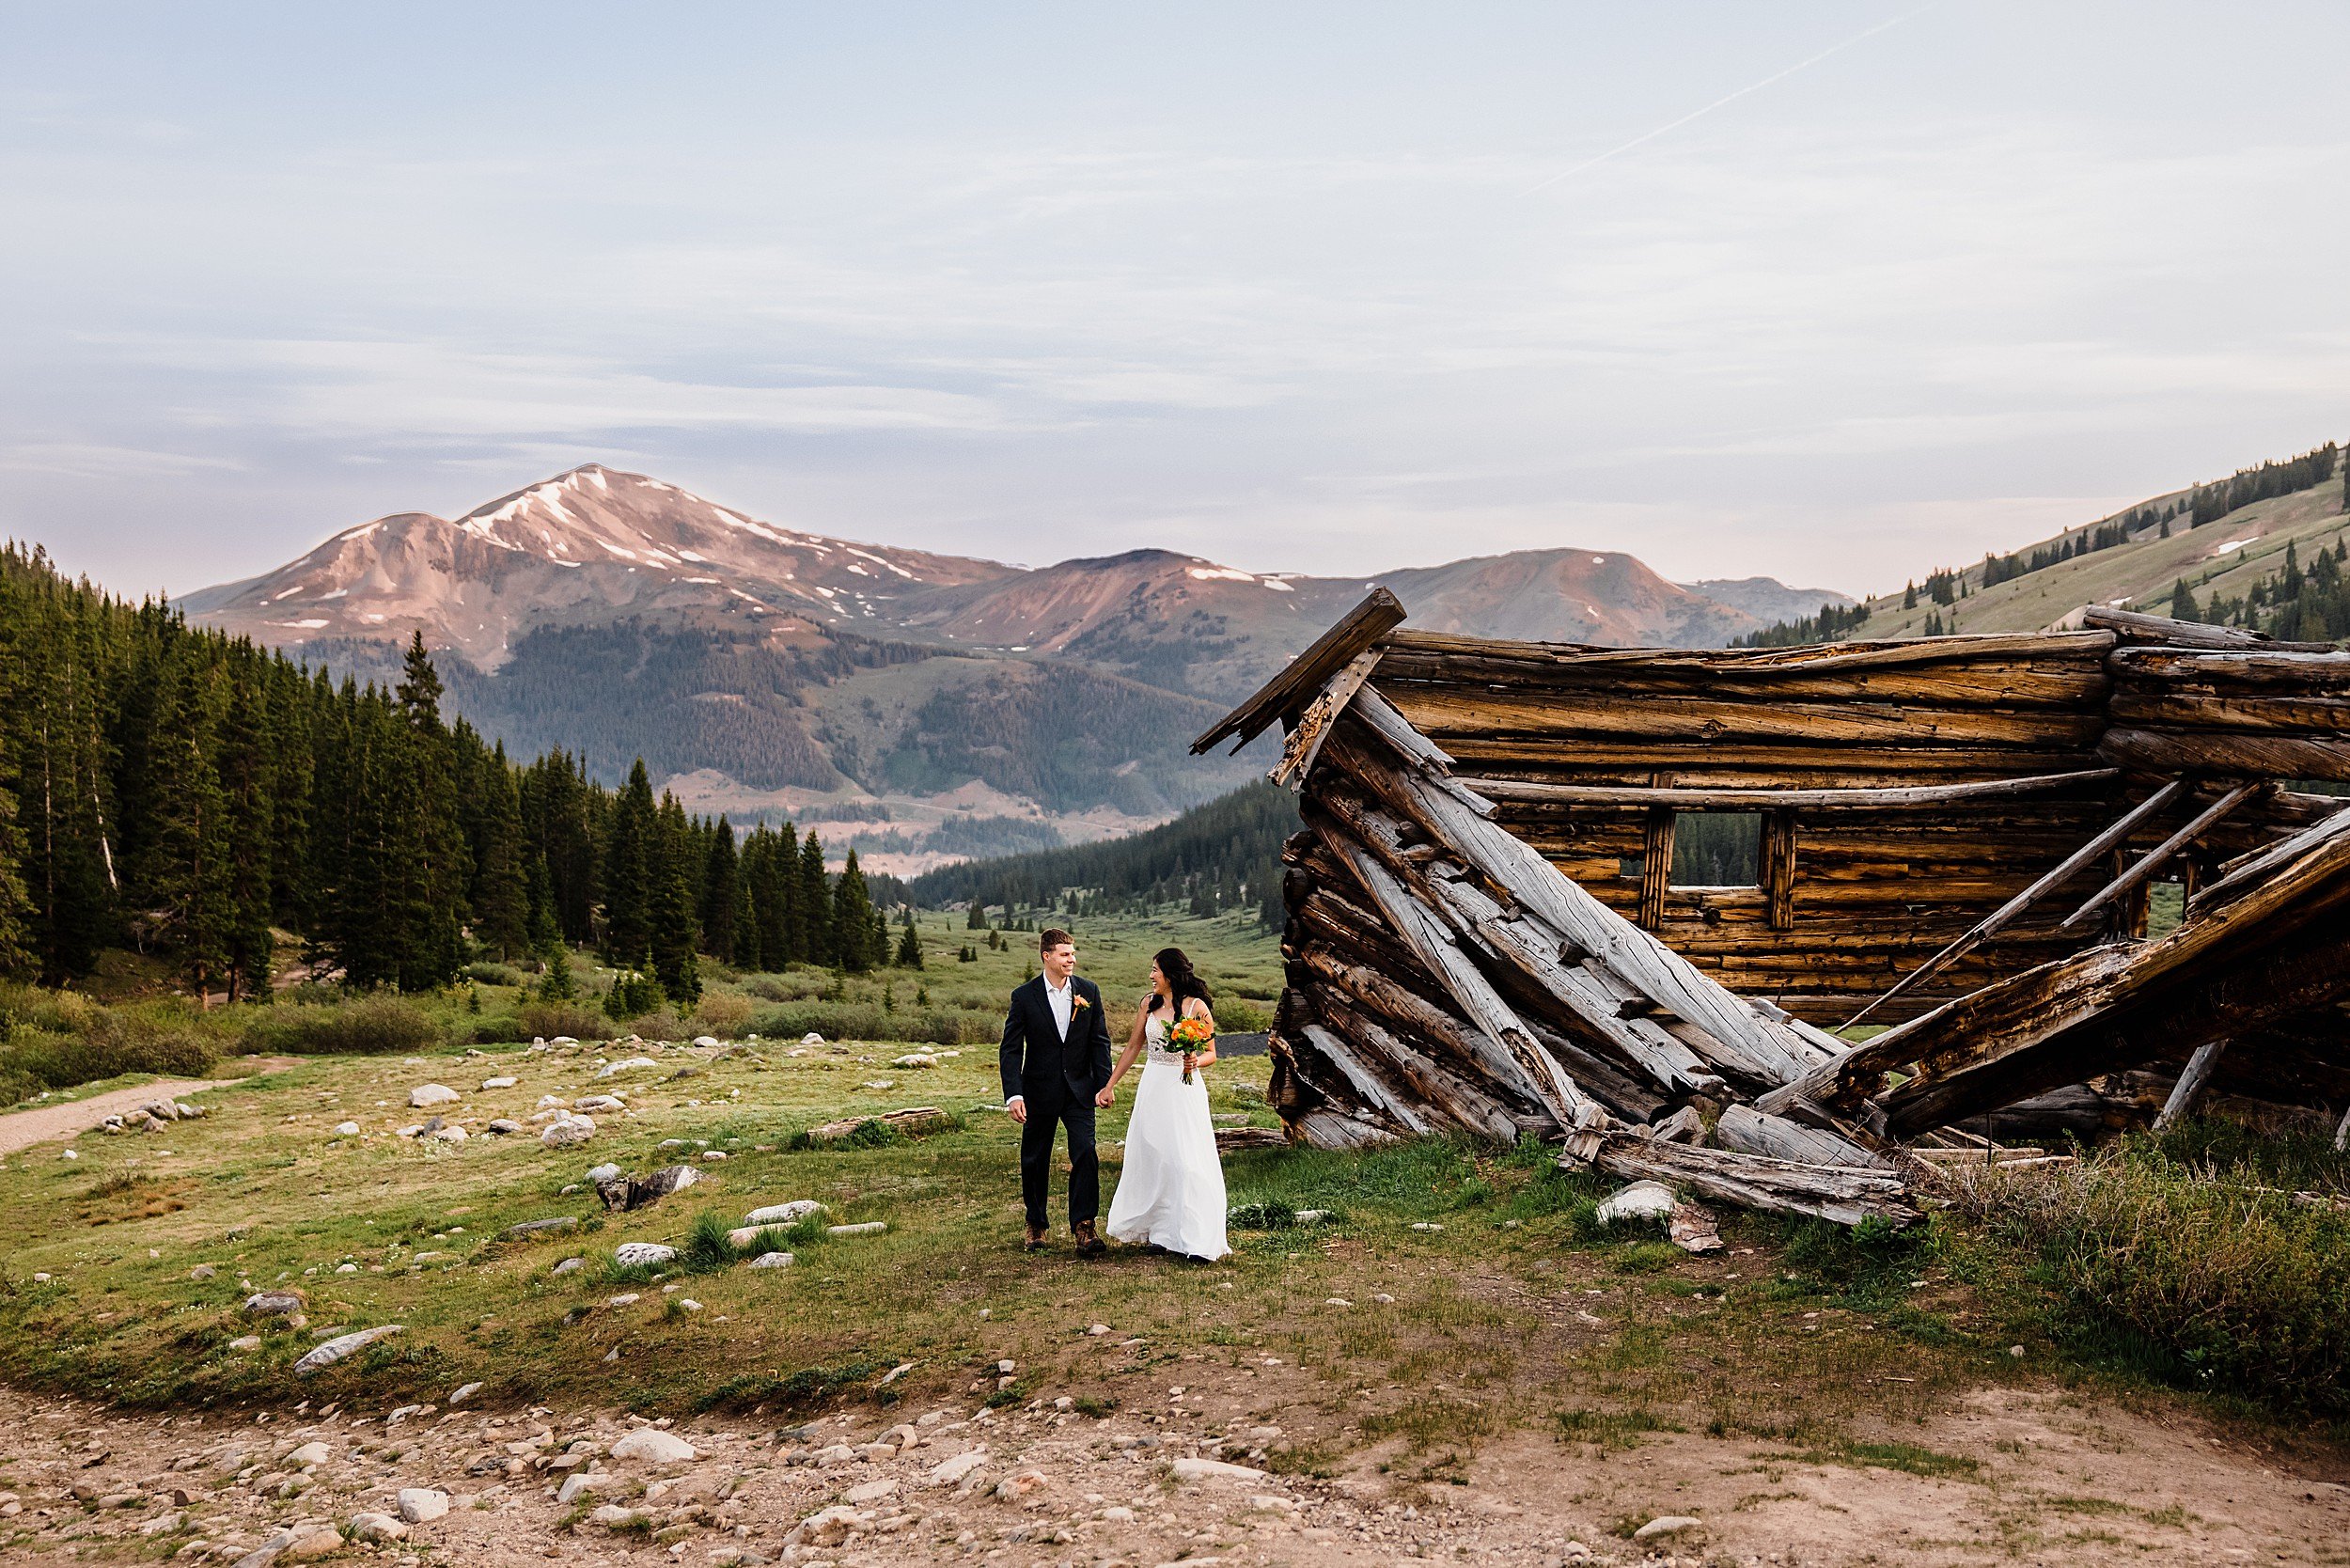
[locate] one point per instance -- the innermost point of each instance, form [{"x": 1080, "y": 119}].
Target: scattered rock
[
  {"x": 461, "y": 1395},
  {"x": 705, "y": 1040},
  {"x": 1192, "y": 1468},
  {"x": 873, "y": 1490},
  {"x": 580, "y": 1482},
  {"x": 812, "y": 1038},
  {"x": 246, "y": 1341},
  {"x": 421, "y": 1505},
  {"x": 1670, "y": 1524},
  {"x": 655, "y": 1445},
  {"x": 868, "y": 1228},
  {"x": 601, "y": 1104},
  {"x": 613, "y": 1516},
  {"x": 626, "y": 1064},
  {"x": 504, "y": 1126},
  {"x": 202, "y": 1271},
  {"x": 827, "y": 1527},
  {"x": 772, "y": 1260},
  {"x": 916, "y": 1060},
  {"x": 1693, "y": 1227},
  {"x": 309, "y": 1453},
  {"x": 626, "y": 1298},
  {"x": 571, "y": 1132},
  {"x": 425, "y": 1096},
  {"x": 273, "y": 1304},
  {"x": 569, "y": 1265},
  {"x": 341, "y": 1345},
  {"x": 952, "y": 1472},
  {"x": 784, "y": 1214},
  {"x": 452, "y": 1134},
  {"x": 530, "y": 1228},
  {"x": 497, "y": 1083},
  {"x": 377, "y": 1526},
  {"x": 1019, "y": 1485},
  {"x": 1650, "y": 1203},
  {"x": 346, "y": 1129}
]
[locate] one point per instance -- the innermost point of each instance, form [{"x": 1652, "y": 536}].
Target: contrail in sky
[{"x": 1727, "y": 98}]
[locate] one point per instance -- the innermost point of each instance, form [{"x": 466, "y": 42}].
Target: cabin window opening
[
  {"x": 1631, "y": 867},
  {"x": 1718, "y": 849}
]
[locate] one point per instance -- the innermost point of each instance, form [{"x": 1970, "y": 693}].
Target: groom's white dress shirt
[{"x": 1059, "y": 999}]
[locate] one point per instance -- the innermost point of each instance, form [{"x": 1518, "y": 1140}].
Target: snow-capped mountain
[{"x": 585, "y": 547}]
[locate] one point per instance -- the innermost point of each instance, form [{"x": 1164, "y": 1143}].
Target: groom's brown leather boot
[
  {"x": 1089, "y": 1245},
  {"x": 1035, "y": 1242}
]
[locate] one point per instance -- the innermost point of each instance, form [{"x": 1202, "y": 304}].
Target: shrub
[
  {"x": 724, "y": 1014},
  {"x": 545, "y": 1020},
  {"x": 38, "y": 1059},
  {"x": 369, "y": 1026},
  {"x": 632, "y": 995},
  {"x": 1237, "y": 1015},
  {"x": 495, "y": 974},
  {"x": 706, "y": 1250},
  {"x": 2205, "y": 1276}
]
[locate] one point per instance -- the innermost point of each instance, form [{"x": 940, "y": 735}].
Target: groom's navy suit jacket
[{"x": 1042, "y": 1067}]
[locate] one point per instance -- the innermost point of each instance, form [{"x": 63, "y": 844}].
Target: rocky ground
[{"x": 2057, "y": 1481}]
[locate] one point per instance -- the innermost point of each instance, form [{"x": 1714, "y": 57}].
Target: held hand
[
  {"x": 1109, "y": 1094},
  {"x": 1019, "y": 1108}
]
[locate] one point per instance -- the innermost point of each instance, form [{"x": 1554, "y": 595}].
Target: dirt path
[
  {"x": 2035, "y": 1477},
  {"x": 21, "y": 1130}
]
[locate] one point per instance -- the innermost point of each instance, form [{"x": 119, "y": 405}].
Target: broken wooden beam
[
  {"x": 1294, "y": 686},
  {"x": 2153, "y": 860},
  {"x": 1858, "y": 799}
]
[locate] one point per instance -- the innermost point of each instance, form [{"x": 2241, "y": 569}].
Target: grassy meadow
[{"x": 1454, "y": 1292}]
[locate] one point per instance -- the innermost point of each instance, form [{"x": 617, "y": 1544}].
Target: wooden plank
[
  {"x": 1291, "y": 689},
  {"x": 1750, "y": 1132},
  {"x": 1686, "y": 798},
  {"x": 1314, "y": 725},
  {"x": 2075, "y": 684},
  {"x": 2192, "y": 1080},
  {"x": 1441, "y": 713},
  {"x": 1998, "y": 920},
  {"x": 1365, "y": 1082},
  {"x": 1656, "y": 865},
  {"x": 2135, "y": 626},
  {"x": 1816, "y": 656},
  {"x": 2317, "y": 717},
  {"x": 2154, "y": 859},
  {"x": 1843, "y": 1194},
  {"x": 2228, "y": 754},
  {"x": 2260, "y": 865},
  {"x": 2162, "y": 668}
]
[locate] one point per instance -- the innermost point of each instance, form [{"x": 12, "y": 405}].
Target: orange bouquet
[{"x": 1195, "y": 1038}]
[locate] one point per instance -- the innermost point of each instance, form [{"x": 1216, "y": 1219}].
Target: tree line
[
  {"x": 1222, "y": 855},
  {"x": 194, "y": 796},
  {"x": 2296, "y": 604}
]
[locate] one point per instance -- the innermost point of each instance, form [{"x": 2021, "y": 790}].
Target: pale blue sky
[{"x": 1311, "y": 287}]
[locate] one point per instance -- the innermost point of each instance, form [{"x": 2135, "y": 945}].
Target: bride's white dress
[{"x": 1170, "y": 1190}]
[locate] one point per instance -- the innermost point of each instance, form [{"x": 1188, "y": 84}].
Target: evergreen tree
[
  {"x": 811, "y": 907},
  {"x": 2183, "y": 606},
  {"x": 431, "y": 869},
  {"x": 247, "y": 797},
  {"x": 628, "y": 866},
  {"x": 670, "y": 910},
  {"x": 721, "y": 894},
  {"x": 501, "y": 887},
  {"x": 910, "y": 945},
  {"x": 1909, "y": 596},
  {"x": 188, "y": 875},
  {"x": 853, "y": 916}
]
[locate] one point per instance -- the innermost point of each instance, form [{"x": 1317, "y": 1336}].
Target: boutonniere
[{"x": 1077, "y": 1002}]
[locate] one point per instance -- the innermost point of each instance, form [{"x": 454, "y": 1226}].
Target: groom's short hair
[{"x": 1053, "y": 937}]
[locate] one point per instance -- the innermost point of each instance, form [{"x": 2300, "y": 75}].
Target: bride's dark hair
[{"x": 1181, "y": 979}]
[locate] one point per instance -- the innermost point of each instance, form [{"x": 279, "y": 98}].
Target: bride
[{"x": 1170, "y": 1193}]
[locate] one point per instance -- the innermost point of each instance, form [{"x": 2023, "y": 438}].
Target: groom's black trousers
[{"x": 1036, "y": 1159}]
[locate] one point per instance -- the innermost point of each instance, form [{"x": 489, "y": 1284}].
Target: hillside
[{"x": 2225, "y": 558}]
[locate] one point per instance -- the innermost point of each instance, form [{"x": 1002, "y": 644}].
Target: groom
[{"x": 1056, "y": 1059}]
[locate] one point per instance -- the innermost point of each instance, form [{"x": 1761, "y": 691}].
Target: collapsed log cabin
[{"x": 1496, "y": 925}]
